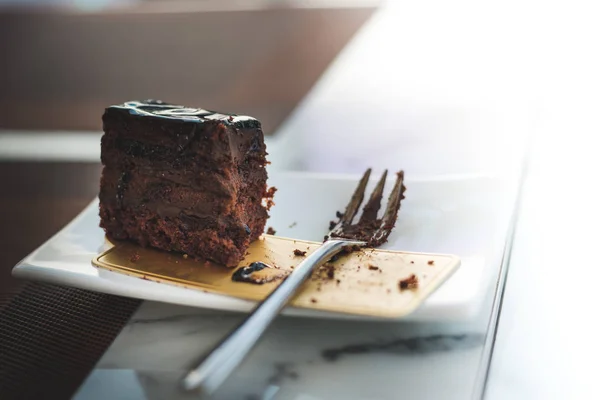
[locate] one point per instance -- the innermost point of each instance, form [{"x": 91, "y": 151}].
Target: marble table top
[{"x": 297, "y": 359}]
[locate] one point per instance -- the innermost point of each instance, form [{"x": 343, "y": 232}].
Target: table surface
[
  {"x": 439, "y": 114},
  {"x": 335, "y": 130}
]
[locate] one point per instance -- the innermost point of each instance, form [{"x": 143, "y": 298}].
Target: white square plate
[{"x": 464, "y": 215}]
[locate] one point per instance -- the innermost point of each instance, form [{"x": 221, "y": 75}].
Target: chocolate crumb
[
  {"x": 134, "y": 258},
  {"x": 339, "y": 214},
  {"x": 430, "y": 262},
  {"x": 271, "y": 231},
  {"x": 332, "y": 224},
  {"x": 350, "y": 249},
  {"x": 313, "y": 300},
  {"x": 269, "y": 196},
  {"x": 409, "y": 283},
  {"x": 299, "y": 253},
  {"x": 337, "y": 281},
  {"x": 373, "y": 267},
  {"x": 330, "y": 270},
  {"x": 271, "y": 192},
  {"x": 412, "y": 262},
  {"x": 345, "y": 251}
]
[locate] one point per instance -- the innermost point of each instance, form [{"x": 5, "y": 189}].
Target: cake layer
[
  {"x": 205, "y": 192},
  {"x": 147, "y": 186},
  {"x": 222, "y": 239},
  {"x": 194, "y": 171},
  {"x": 168, "y": 199}
]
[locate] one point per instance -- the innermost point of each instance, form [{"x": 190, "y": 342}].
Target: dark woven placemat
[{"x": 51, "y": 337}]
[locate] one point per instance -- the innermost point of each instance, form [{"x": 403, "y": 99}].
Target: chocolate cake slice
[{"x": 183, "y": 179}]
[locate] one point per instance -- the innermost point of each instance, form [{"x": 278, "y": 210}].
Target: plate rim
[{"x": 25, "y": 269}]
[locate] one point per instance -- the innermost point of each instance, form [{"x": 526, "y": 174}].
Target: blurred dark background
[{"x": 63, "y": 61}]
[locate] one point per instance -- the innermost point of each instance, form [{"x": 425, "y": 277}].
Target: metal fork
[{"x": 218, "y": 364}]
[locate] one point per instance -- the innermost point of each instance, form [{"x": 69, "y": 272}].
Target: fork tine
[
  {"x": 391, "y": 212},
  {"x": 374, "y": 204},
  {"x": 356, "y": 200}
]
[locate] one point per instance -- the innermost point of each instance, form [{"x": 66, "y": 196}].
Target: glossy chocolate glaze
[
  {"x": 246, "y": 274},
  {"x": 171, "y": 136},
  {"x": 160, "y": 109}
]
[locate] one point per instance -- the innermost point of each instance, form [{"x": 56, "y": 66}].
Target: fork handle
[{"x": 218, "y": 364}]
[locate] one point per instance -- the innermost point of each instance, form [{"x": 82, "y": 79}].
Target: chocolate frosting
[{"x": 160, "y": 109}]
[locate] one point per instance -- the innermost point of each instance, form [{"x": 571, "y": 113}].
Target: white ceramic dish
[{"x": 465, "y": 215}]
